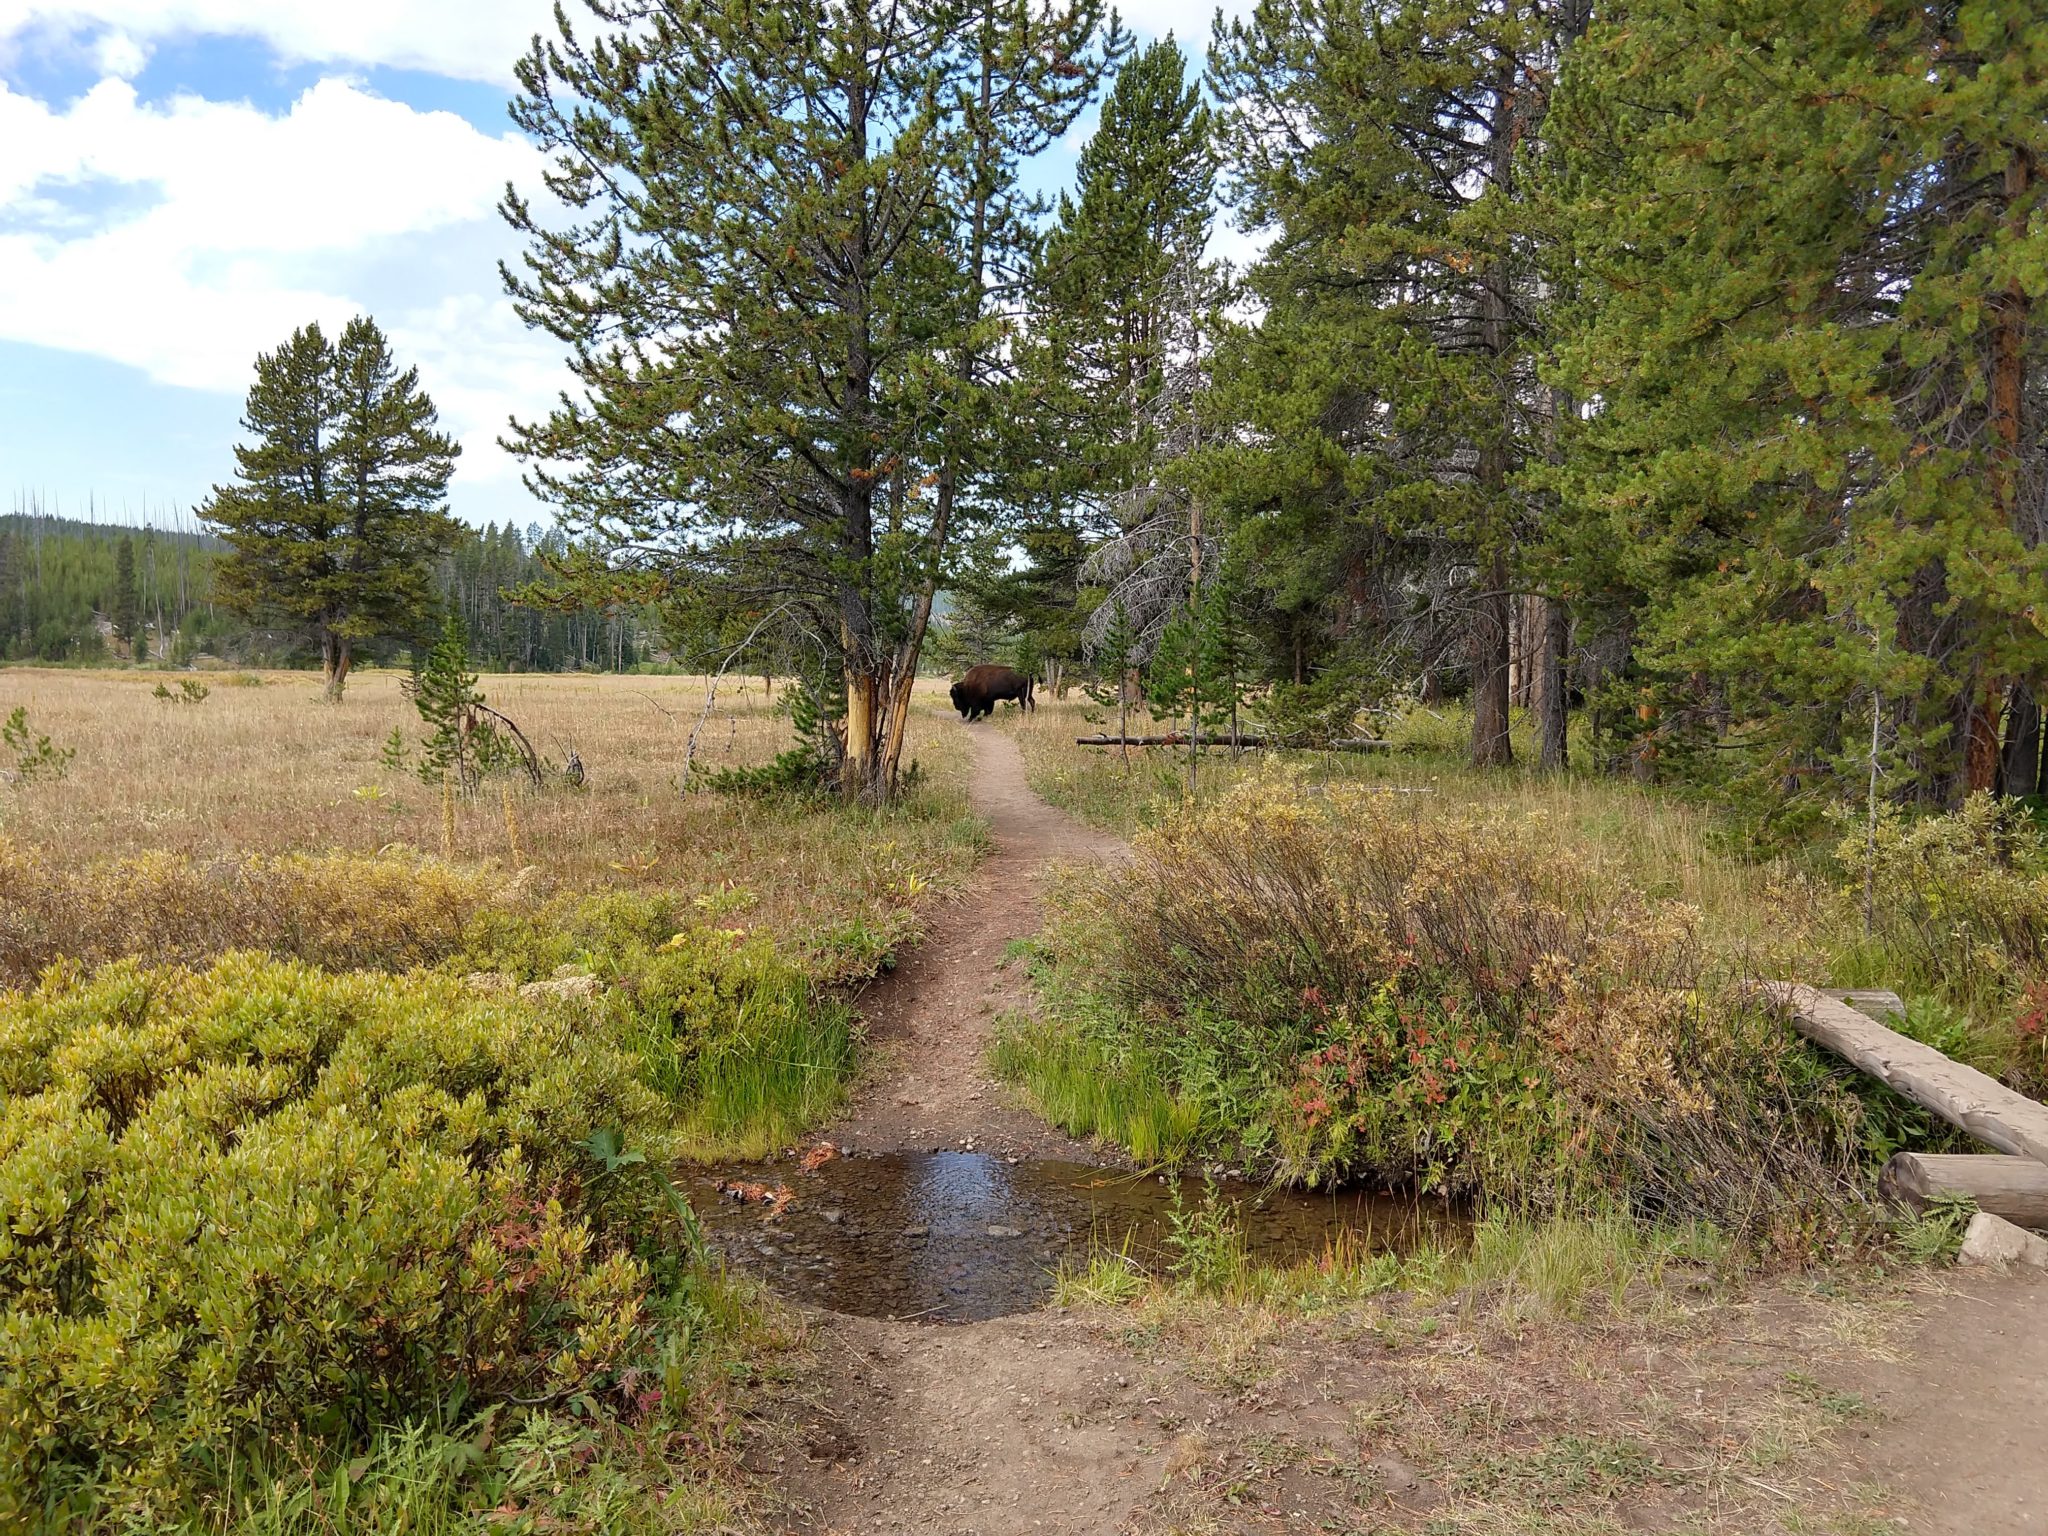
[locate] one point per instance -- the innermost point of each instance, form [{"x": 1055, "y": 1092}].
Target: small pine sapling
[
  {"x": 1220, "y": 654},
  {"x": 1114, "y": 657},
  {"x": 34, "y": 756},
  {"x": 466, "y": 738},
  {"x": 1173, "y": 681}
]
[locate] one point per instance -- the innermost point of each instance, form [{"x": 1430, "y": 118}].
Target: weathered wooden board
[
  {"x": 2013, "y": 1187},
  {"x": 1966, "y": 1098},
  {"x": 1875, "y": 1001}
]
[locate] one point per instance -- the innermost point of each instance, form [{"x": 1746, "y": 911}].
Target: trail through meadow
[{"x": 1789, "y": 1407}]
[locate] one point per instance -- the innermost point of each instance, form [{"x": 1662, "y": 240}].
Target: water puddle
[{"x": 959, "y": 1236}]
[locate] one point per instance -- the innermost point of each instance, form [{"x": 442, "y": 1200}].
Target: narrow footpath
[
  {"x": 931, "y": 1020},
  {"x": 1792, "y": 1407}
]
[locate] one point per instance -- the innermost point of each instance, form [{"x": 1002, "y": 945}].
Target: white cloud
[
  {"x": 467, "y": 39},
  {"x": 184, "y": 238},
  {"x": 119, "y": 55}
]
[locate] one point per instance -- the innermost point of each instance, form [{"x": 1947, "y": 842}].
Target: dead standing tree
[{"x": 1153, "y": 568}]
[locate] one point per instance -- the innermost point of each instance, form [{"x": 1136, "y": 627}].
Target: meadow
[
  {"x": 264, "y": 769},
  {"x": 1529, "y": 991},
  {"x": 334, "y": 1106}
]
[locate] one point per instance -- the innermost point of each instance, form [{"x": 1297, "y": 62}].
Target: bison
[{"x": 976, "y": 693}]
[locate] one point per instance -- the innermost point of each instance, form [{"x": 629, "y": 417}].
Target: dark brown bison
[{"x": 976, "y": 693}]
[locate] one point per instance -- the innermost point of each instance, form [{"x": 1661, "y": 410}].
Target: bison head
[{"x": 957, "y": 704}]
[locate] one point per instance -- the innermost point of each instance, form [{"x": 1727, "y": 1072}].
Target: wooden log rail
[
  {"x": 2013, "y": 1187},
  {"x": 1970, "y": 1100},
  {"x": 1243, "y": 743}
]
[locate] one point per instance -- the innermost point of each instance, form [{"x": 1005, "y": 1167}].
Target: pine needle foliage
[
  {"x": 462, "y": 743},
  {"x": 338, "y": 510},
  {"x": 794, "y": 237}
]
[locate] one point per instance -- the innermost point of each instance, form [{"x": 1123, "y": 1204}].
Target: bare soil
[
  {"x": 1795, "y": 1406},
  {"x": 930, "y": 1020}
]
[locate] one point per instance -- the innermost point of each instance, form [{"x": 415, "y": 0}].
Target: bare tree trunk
[
  {"x": 2022, "y": 767},
  {"x": 335, "y": 658},
  {"x": 1551, "y": 707},
  {"x": 1489, "y": 649}
]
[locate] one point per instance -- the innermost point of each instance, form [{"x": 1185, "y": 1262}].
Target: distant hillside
[{"x": 59, "y": 577}]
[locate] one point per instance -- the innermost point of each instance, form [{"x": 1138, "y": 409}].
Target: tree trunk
[
  {"x": 2022, "y": 767},
  {"x": 1491, "y": 610},
  {"x": 2010, "y": 316},
  {"x": 1983, "y": 710},
  {"x": 901, "y": 681},
  {"x": 1553, "y": 715},
  {"x": 867, "y": 772},
  {"x": 1642, "y": 765},
  {"x": 1489, "y": 641},
  {"x": 335, "y": 658}
]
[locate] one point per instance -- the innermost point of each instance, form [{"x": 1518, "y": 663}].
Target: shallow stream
[{"x": 960, "y": 1236}]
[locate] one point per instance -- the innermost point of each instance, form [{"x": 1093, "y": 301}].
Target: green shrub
[
  {"x": 1356, "y": 989},
  {"x": 262, "y": 1201},
  {"x": 1960, "y": 901}
]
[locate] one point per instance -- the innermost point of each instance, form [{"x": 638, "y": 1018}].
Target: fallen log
[
  {"x": 1243, "y": 743},
  {"x": 1966, "y": 1098},
  {"x": 2013, "y": 1187}
]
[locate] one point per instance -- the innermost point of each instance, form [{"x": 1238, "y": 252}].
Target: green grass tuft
[{"x": 1083, "y": 1089}]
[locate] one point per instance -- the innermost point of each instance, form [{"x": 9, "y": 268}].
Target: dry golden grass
[
  {"x": 265, "y": 767},
  {"x": 1766, "y": 915}
]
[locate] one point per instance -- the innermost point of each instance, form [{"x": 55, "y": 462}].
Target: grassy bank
[
  {"x": 333, "y": 1118},
  {"x": 1340, "y": 985},
  {"x": 1528, "y": 992}
]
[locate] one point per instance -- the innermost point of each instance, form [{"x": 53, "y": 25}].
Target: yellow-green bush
[
  {"x": 1959, "y": 902},
  {"x": 337, "y": 910},
  {"x": 261, "y": 1200}
]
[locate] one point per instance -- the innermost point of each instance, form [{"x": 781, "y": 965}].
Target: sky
[{"x": 184, "y": 182}]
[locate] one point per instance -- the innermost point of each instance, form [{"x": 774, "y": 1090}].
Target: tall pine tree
[
  {"x": 1141, "y": 208},
  {"x": 125, "y": 608},
  {"x": 339, "y": 509},
  {"x": 795, "y": 236},
  {"x": 1811, "y": 244},
  {"x": 1388, "y": 384}
]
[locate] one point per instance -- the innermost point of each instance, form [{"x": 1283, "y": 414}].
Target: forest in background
[
  {"x": 85, "y": 592},
  {"x": 1670, "y": 371}
]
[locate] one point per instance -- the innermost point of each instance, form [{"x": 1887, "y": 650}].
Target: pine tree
[
  {"x": 463, "y": 742},
  {"x": 1106, "y": 287},
  {"x": 1115, "y": 657},
  {"x": 1388, "y": 388},
  {"x": 1221, "y": 657},
  {"x": 338, "y": 512},
  {"x": 125, "y": 609},
  {"x": 795, "y": 237},
  {"x": 1808, "y": 242}
]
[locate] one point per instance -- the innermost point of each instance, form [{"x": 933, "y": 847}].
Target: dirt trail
[
  {"x": 930, "y": 1021},
  {"x": 1964, "y": 1432},
  {"x": 1922, "y": 1412}
]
